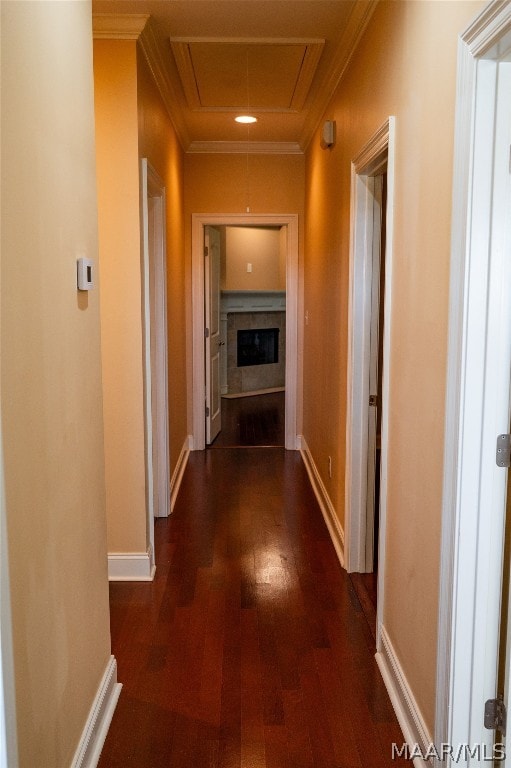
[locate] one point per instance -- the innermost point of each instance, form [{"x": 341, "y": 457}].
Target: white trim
[
  {"x": 323, "y": 499},
  {"x": 8, "y": 729},
  {"x": 379, "y": 149},
  {"x": 476, "y": 410},
  {"x": 98, "y": 722},
  {"x": 293, "y": 301},
  {"x": 183, "y": 55},
  {"x": 354, "y": 28},
  {"x": 155, "y": 345},
  {"x": 131, "y": 566},
  {"x": 408, "y": 714},
  {"x": 118, "y": 26},
  {"x": 149, "y": 43},
  {"x": 179, "y": 469},
  {"x": 244, "y": 147}
]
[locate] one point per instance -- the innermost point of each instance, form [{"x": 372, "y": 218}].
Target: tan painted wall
[
  {"x": 414, "y": 79},
  {"x": 115, "y": 90},
  {"x": 51, "y": 378},
  {"x": 259, "y": 247},
  {"x": 217, "y": 183},
  {"x": 158, "y": 142},
  {"x": 131, "y": 123}
]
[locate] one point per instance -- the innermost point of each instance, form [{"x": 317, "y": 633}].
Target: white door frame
[
  {"x": 477, "y": 404},
  {"x": 213, "y": 349},
  {"x": 8, "y": 731},
  {"x": 377, "y": 154},
  {"x": 199, "y": 221},
  {"x": 155, "y": 362}
]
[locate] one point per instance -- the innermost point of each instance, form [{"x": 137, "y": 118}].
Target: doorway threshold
[{"x": 253, "y": 393}]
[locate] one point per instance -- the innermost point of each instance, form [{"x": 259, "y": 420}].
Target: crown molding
[
  {"x": 355, "y": 28},
  {"x": 494, "y": 22},
  {"x": 148, "y": 42},
  {"x": 118, "y": 26},
  {"x": 368, "y": 161},
  {"x": 139, "y": 26},
  {"x": 245, "y": 147}
]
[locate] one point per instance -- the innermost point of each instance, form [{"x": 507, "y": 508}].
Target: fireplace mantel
[
  {"x": 252, "y": 301},
  {"x": 258, "y": 308}
]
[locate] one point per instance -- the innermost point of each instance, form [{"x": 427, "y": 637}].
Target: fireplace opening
[{"x": 258, "y": 346}]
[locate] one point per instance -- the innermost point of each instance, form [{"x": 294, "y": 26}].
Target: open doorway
[
  {"x": 369, "y": 344},
  {"x": 287, "y": 228},
  {"x": 245, "y": 337},
  {"x": 154, "y": 305}
]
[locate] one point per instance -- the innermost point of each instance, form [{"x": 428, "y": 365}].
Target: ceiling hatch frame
[{"x": 300, "y": 82}]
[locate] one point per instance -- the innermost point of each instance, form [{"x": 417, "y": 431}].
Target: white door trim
[
  {"x": 213, "y": 350},
  {"x": 199, "y": 221},
  {"x": 476, "y": 411},
  {"x": 374, "y": 155},
  {"x": 155, "y": 363},
  {"x": 8, "y": 714}
]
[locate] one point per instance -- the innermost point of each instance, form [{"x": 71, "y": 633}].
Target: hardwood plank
[
  {"x": 255, "y": 420},
  {"x": 250, "y": 649}
]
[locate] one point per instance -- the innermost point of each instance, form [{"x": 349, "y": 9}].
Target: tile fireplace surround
[{"x": 248, "y": 310}]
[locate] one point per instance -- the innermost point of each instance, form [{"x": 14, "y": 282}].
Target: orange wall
[
  {"x": 131, "y": 123},
  {"x": 217, "y": 183},
  {"x": 158, "y": 142},
  {"x": 52, "y": 419},
  {"x": 115, "y": 90},
  {"x": 413, "y": 78}
]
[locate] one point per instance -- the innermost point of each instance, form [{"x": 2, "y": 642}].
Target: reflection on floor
[
  {"x": 257, "y": 420},
  {"x": 250, "y": 649}
]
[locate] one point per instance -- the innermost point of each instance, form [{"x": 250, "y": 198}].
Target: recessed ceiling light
[{"x": 246, "y": 119}]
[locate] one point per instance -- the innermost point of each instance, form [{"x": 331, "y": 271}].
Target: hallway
[{"x": 250, "y": 648}]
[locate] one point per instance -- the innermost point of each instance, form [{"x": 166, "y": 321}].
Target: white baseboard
[
  {"x": 131, "y": 566},
  {"x": 409, "y": 716},
  {"x": 99, "y": 719},
  {"x": 326, "y": 506},
  {"x": 177, "y": 475}
]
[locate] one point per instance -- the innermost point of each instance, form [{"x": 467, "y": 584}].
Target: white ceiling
[{"x": 278, "y": 59}]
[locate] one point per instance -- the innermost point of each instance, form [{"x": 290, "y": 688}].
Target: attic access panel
[{"x": 267, "y": 75}]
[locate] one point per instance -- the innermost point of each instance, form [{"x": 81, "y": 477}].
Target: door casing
[
  {"x": 477, "y": 396},
  {"x": 154, "y": 308},
  {"x": 376, "y": 155},
  {"x": 213, "y": 337},
  {"x": 293, "y": 336}
]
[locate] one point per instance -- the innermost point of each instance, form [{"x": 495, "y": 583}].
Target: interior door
[
  {"x": 374, "y": 372},
  {"x": 212, "y": 332}
]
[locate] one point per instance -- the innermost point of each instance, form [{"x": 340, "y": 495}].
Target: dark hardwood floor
[
  {"x": 255, "y": 420},
  {"x": 365, "y": 585},
  {"x": 250, "y": 649}
]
